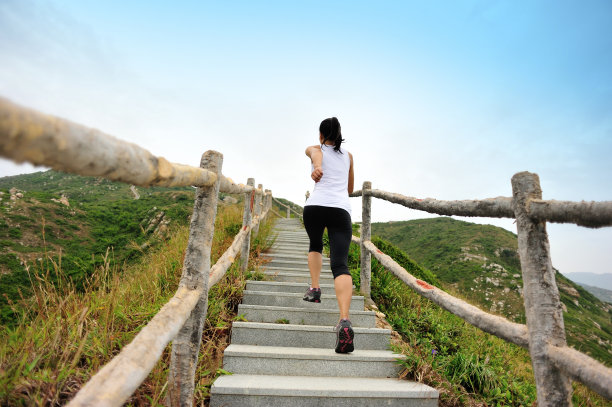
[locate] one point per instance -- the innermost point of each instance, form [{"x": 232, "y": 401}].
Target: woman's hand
[
  {"x": 316, "y": 157},
  {"x": 317, "y": 174}
]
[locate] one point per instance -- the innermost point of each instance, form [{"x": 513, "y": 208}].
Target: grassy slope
[
  {"x": 69, "y": 334},
  {"x": 481, "y": 264},
  {"x": 101, "y": 215},
  {"x": 467, "y": 366}
]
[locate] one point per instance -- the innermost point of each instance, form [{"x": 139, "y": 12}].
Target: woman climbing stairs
[{"x": 284, "y": 355}]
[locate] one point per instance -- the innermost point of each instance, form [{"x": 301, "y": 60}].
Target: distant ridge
[
  {"x": 599, "y": 280},
  {"x": 601, "y": 293}
]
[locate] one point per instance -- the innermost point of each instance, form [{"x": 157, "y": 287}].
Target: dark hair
[{"x": 330, "y": 129}]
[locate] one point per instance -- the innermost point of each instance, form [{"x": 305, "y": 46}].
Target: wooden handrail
[
  {"x": 40, "y": 139},
  {"x": 28, "y": 135},
  {"x": 289, "y": 208},
  {"x": 493, "y": 324},
  {"x": 553, "y": 362},
  {"x": 119, "y": 378}
]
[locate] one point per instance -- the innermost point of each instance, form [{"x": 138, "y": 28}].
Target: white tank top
[{"x": 332, "y": 189}]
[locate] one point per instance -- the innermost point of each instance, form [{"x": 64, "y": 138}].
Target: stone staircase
[{"x": 284, "y": 355}]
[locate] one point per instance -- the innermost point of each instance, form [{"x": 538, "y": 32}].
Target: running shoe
[
  {"x": 344, "y": 337},
  {"x": 313, "y": 295}
]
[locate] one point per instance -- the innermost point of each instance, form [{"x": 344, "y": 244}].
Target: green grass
[
  {"x": 480, "y": 263},
  {"x": 468, "y": 367},
  {"x": 65, "y": 335},
  {"x": 101, "y": 214}
]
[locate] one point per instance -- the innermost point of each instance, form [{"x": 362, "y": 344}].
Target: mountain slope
[
  {"x": 601, "y": 293},
  {"x": 481, "y": 263},
  {"x": 48, "y": 218}
]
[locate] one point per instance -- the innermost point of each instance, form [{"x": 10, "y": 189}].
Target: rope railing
[
  {"x": 554, "y": 363},
  {"x": 28, "y": 135}
]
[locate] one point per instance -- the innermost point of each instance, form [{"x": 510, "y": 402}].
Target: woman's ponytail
[{"x": 330, "y": 129}]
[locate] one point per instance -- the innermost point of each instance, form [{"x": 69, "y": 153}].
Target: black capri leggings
[{"x": 339, "y": 229}]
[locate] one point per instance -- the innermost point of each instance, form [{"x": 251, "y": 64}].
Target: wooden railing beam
[
  {"x": 40, "y": 139},
  {"x": 589, "y": 214},
  {"x": 500, "y": 207},
  {"x": 583, "y": 368},
  {"x": 493, "y": 324}
]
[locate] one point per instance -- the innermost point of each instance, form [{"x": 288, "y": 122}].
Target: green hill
[
  {"x": 75, "y": 220},
  {"x": 480, "y": 263}
]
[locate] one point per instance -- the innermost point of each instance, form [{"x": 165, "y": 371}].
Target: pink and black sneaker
[
  {"x": 344, "y": 337},
  {"x": 313, "y": 295}
]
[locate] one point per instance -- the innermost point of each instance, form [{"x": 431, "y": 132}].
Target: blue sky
[{"x": 443, "y": 99}]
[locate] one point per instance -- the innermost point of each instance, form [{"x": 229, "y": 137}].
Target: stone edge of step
[
  {"x": 308, "y": 328},
  {"x": 298, "y": 309},
  {"x": 295, "y": 295},
  {"x": 344, "y": 387},
  {"x": 324, "y": 354}
]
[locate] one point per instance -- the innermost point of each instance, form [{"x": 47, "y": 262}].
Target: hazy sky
[{"x": 443, "y": 99}]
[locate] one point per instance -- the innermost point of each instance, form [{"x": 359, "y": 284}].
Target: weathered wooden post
[
  {"x": 288, "y": 212},
  {"x": 268, "y": 200},
  {"x": 257, "y": 206},
  {"x": 247, "y": 216},
  {"x": 542, "y": 304},
  {"x": 196, "y": 267},
  {"x": 366, "y": 262}
]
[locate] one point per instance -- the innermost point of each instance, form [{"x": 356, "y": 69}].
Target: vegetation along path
[{"x": 284, "y": 354}]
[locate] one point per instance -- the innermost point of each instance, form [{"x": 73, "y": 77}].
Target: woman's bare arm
[
  {"x": 351, "y": 177},
  {"x": 316, "y": 157}
]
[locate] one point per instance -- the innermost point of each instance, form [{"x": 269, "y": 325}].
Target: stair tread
[
  {"x": 286, "y": 352},
  {"x": 295, "y": 295},
  {"x": 313, "y": 386},
  {"x": 299, "y": 309},
  {"x": 305, "y": 328}
]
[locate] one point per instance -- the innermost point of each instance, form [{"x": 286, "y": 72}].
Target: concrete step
[
  {"x": 305, "y": 336},
  {"x": 301, "y": 244},
  {"x": 276, "y": 299},
  {"x": 297, "y": 277},
  {"x": 294, "y": 264},
  {"x": 304, "y": 316},
  {"x": 325, "y": 272},
  {"x": 291, "y": 238},
  {"x": 240, "y": 390},
  {"x": 291, "y": 252},
  {"x": 281, "y": 360},
  {"x": 295, "y": 257},
  {"x": 291, "y": 249},
  {"x": 286, "y": 287},
  {"x": 286, "y": 245},
  {"x": 298, "y": 250}
]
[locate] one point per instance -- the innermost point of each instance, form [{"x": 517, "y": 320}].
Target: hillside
[
  {"x": 480, "y": 263},
  {"x": 601, "y": 293},
  {"x": 76, "y": 220}
]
